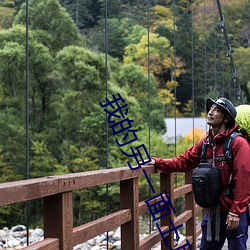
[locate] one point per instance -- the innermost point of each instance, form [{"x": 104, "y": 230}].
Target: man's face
[{"x": 215, "y": 116}]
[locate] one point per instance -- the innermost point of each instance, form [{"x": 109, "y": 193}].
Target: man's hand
[
  {"x": 232, "y": 222},
  {"x": 152, "y": 162}
]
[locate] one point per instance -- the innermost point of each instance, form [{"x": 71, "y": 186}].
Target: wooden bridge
[{"x": 56, "y": 192}]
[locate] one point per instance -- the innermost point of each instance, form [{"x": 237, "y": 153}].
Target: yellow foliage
[
  {"x": 161, "y": 15},
  {"x": 203, "y": 114},
  {"x": 188, "y": 107},
  {"x": 189, "y": 139},
  {"x": 166, "y": 96},
  {"x": 160, "y": 53},
  {"x": 174, "y": 112},
  {"x": 172, "y": 84},
  {"x": 195, "y": 134},
  {"x": 179, "y": 66}
]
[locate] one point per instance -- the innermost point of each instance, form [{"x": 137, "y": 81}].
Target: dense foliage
[{"x": 82, "y": 51}]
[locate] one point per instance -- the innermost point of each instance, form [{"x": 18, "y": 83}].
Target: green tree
[
  {"x": 241, "y": 56},
  {"x": 42, "y": 163},
  {"x": 13, "y": 148},
  {"x": 53, "y": 25},
  {"x": 6, "y": 17},
  {"x": 79, "y": 73},
  {"x": 117, "y": 31},
  {"x": 136, "y": 83},
  {"x": 40, "y": 60},
  {"x": 12, "y": 124},
  {"x": 84, "y": 13},
  {"x": 131, "y": 9},
  {"x": 161, "y": 57}
]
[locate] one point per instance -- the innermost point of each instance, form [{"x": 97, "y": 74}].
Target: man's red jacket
[{"x": 241, "y": 167}]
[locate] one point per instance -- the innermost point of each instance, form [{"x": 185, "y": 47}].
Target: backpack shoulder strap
[
  {"x": 203, "y": 152},
  {"x": 227, "y": 148}
]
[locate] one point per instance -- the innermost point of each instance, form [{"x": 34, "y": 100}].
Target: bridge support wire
[
  {"x": 27, "y": 204},
  {"x": 106, "y": 82},
  {"x": 229, "y": 54}
]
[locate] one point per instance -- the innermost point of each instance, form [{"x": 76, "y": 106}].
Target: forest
[{"x": 163, "y": 57}]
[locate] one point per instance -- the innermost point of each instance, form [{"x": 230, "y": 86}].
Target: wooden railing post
[
  {"x": 129, "y": 198},
  {"x": 58, "y": 219},
  {"x": 190, "y": 205},
  {"x": 167, "y": 184}
]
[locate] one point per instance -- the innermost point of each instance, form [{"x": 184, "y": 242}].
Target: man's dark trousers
[{"x": 237, "y": 238}]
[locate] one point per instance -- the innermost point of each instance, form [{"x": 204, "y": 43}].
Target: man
[{"x": 221, "y": 115}]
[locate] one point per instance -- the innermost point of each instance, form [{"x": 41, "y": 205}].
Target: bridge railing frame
[{"x": 56, "y": 192}]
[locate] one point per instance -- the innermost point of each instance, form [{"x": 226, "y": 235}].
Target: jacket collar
[{"x": 221, "y": 136}]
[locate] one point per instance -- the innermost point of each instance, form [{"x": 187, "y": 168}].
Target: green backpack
[{"x": 243, "y": 120}]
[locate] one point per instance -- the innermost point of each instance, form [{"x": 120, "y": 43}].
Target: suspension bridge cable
[
  {"x": 205, "y": 49},
  {"x": 205, "y": 53},
  {"x": 149, "y": 121},
  {"x": 106, "y": 82},
  {"x": 192, "y": 76},
  {"x": 215, "y": 52},
  {"x": 174, "y": 73},
  {"x": 229, "y": 83},
  {"x": 27, "y": 207},
  {"x": 175, "y": 87},
  {"x": 229, "y": 52},
  {"x": 222, "y": 68},
  {"x": 77, "y": 13}
]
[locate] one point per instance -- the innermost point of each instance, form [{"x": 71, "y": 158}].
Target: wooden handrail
[
  {"x": 24, "y": 190},
  {"x": 46, "y": 244},
  {"x": 58, "y": 208}
]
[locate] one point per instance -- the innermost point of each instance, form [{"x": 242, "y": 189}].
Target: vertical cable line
[
  {"x": 27, "y": 207},
  {"x": 174, "y": 76},
  {"x": 229, "y": 83},
  {"x": 149, "y": 121},
  {"x": 192, "y": 24},
  {"x": 222, "y": 68},
  {"x": 106, "y": 82},
  {"x": 77, "y": 13},
  {"x": 175, "y": 92},
  {"x": 223, "y": 79},
  {"x": 215, "y": 52},
  {"x": 229, "y": 54},
  {"x": 205, "y": 50}
]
